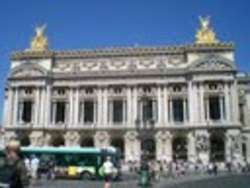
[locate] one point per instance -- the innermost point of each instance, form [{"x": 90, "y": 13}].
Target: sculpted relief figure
[{"x": 202, "y": 143}]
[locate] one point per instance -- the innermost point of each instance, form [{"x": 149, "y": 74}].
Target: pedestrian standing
[
  {"x": 157, "y": 170},
  {"x": 108, "y": 172},
  {"x": 34, "y": 166},
  {"x": 27, "y": 165},
  {"x": 15, "y": 172}
]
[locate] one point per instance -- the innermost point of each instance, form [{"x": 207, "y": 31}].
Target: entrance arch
[
  {"x": 217, "y": 146},
  {"x": 23, "y": 138},
  {"x": 148, "y": 147},
  {"x": 87, "y": 142},
  {"x": 57, "y": 140},
  {"x": 119, "y": 144},
  {"x": 179, "y": 147}
]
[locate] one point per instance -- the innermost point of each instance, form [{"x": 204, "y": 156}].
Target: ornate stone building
[{"x": 174, "y": 102}]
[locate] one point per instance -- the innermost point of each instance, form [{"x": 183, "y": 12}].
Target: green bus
[{"x": 73, "y": 162}]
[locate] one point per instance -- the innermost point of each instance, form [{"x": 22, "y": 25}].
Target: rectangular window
[
  {"x": 26, "y": 111},
  {"x": 118, "y": 112},
  {"x": 148, "y": 110},
  {"x": 214, "y": 108},
  {"x": 178, "y": 110},
  {"x": 60, "y": 112},
  {"x": 88, "y": 111}
]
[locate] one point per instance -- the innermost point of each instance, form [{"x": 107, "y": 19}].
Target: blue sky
[{"x": 82, "y": 24}]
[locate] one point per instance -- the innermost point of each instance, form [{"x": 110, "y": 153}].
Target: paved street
[{"x": 222, "y": 181}]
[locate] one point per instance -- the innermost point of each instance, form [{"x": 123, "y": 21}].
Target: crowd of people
[{"x": 180, "y": 168}]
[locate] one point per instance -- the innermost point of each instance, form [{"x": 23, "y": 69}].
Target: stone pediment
[
  {"x": 25, "y": 71},
  {"x": 212, "y": 63}
]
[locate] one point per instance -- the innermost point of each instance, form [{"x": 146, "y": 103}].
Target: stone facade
[{"x": 177, "y": 102}]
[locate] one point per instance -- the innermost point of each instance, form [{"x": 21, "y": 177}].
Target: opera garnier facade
[{"x": 184, "y": 102}]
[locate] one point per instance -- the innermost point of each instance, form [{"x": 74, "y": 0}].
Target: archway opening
[
  {"x": 118, "y": 143},
  {"x": 57, "y": 140},
  {"x": 87, "y": 142},
  {"x": 179, "y": 148},
  {"x": 217, "y": 147},
  {"x": 148, "y": 148},
  {"x": 23, "y": 138}
]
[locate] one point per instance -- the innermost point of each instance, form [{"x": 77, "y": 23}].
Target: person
[
  {"x": 27, "y": 165},
  {"x": 34, "y": 166},
  {"x": 108, "y": 170},
  {"x": 15, "y": 172},
  {"x": 157, "y": 170}
]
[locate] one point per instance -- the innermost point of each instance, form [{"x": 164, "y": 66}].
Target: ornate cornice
[{"x": 122, "y": 52}]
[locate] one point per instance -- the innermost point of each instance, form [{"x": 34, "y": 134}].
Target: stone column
[
  {"x": 134, "y": 105},
  {"x": 42, "y": 109},
  {"x": 110, "y": 111},
  {"x": 37, "y": 103},
  {"x": 221, "y": 108},
  {"x": 171, "y": 118},
  {"x": 132, "y": 146},
  {"x": 102, "y": 139},
  {"x": 207, "y": 109},
  {"x": 159, "y": 105},
  {"x": 202, "y": 115},
  {"x": 76, "y": 107},
  {"x": 191, "y": 98},
  {"x": 195, "y": 103},
  {"x": 71, "y": 108},
  {"x": 185, "y": 110},
  {"x": 15, "y": 112},
  {"x": 129, "y": 106},
  {"x": 235, "y": 100},
  {"x": 9, "y": 107},
  {"x": 227, "y": 102},
  {"x": 48, "y": 106},
  {"x": 124, "y": 115},
  {"x": 100, "y": 106},
  {"x": 105, "y": 106},
  {"x": 165, "y": 105}
]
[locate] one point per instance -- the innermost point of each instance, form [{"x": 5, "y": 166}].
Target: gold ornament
[
  {"x": 39, "y": 42},
  {"x": 205, "y": 34}
]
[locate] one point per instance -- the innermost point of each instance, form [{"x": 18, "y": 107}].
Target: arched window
[
  {"x": 148, "y": 148},
  {"x": 57, "y": 140},
  {"x": 118, "y": 143},
  {"x": 23, "y": 138},
  {"x": 87, "y": 142},
  {"x": 217, "y": 146},
  {"x": 179, "y": 147}
]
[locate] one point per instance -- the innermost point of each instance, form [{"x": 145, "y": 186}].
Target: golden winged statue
[
  {"x": 39, "y": 42},
  {"x": 205, "y": 34}
]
